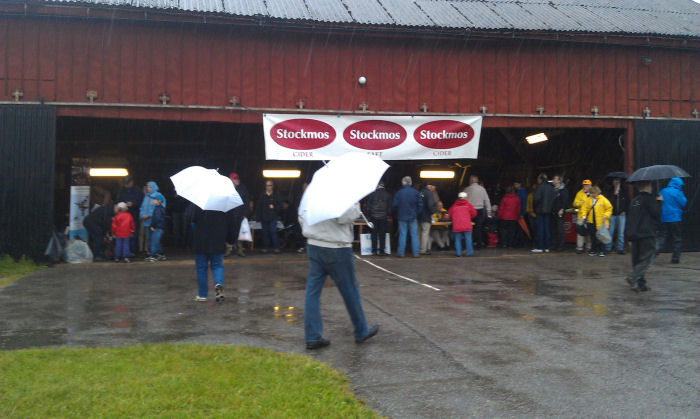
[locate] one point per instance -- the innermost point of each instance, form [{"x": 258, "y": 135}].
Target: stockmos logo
[
  {"x": 374, "y": 134},
  {"x": 443, "y": 134},
  {"x": 302, "y": 134}
]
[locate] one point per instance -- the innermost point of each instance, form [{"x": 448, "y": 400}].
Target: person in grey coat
[{"x": 329, "y": 246}]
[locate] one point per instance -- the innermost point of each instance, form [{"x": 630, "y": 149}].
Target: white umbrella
[
  {"x": 340, "y": 184},
  {"x": 206, "y": 188}
]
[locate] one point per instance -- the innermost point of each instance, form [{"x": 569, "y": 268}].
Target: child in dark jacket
[
  {"x": 155, "y": 249},
  {"x": 122, "y": 229},
  {"x": 461, "y": 213}
]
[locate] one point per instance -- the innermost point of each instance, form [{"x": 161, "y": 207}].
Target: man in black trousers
[{"x": 643, "y": 218}]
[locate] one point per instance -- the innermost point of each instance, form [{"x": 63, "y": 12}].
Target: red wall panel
[{"x": 132, "y": 62}]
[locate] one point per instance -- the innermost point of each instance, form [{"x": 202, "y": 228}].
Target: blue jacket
[
  {"x": 147, "y": 205},
  {"x": 407, "y": 203},
  {"x": 674, "y": 201},
  {"x": 158, "y": 218},
  {"x": 522, "y": 194}
]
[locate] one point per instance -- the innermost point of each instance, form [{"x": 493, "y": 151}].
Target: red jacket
[
  {"x": 123, "y": 225},
  {"x": 461, "y": 213},
  {"x": 509, "y": 209}
]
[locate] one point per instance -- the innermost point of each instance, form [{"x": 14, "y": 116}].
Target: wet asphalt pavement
[{"x": 505, "y": 333}]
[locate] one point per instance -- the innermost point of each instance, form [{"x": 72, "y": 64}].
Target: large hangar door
[
  {"x": 27, "y": 153},
  {"x": 678, "y": 143}
]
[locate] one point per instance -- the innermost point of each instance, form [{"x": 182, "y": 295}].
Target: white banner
[
  {"x": 79, "y": 208},
  {"x": 322, "y": 137}
]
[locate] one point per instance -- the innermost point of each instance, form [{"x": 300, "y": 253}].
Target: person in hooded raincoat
[
  {"x": 147, "y": 208},
  {"x": 596, "y": 210},
  {"x": 671, "y": 217}
]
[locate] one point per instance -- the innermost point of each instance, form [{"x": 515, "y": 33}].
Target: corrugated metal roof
[{"x": 662, "y": 17}]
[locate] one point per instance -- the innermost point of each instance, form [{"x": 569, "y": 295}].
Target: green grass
[
  {"x": 11, "y": 270},
  {"x": 167, "y": 380}
]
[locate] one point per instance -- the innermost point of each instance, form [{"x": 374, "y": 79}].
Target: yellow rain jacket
[
  {"x": 580, "y": 199},
  {"x": 603, "y": 209}
]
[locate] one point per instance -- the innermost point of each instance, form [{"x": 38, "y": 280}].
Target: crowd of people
[{"x": 507, "y": 217}]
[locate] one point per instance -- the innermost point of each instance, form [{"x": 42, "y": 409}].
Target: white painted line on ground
[{"x": 400, "y": 276}]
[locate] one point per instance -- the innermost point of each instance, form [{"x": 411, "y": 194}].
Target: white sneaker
[
  {"x": 200, "y": 299},
  {"x": 536, "y": 250},
  {"x": 546, "y": 250}
]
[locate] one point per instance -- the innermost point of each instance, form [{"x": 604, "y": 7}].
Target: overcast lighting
[
  {"x": 271, "y": 173},
  {"x": 437, "y": 174},
  {"x": 108, "y": 172},
  {"x": 537, "y": 138}
]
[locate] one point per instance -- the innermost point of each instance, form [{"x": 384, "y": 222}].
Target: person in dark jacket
[
  {"x": 543, "y": 203},
  {"x": 155, "y": 248},
  {"x": 671, "y": 217},
  {"x": 378, "y": 208},
  {"x": 132, "y": 196},
  {"x": 407, "y": 203},
  {"x": 238, "y": 214},
  {"x": 561, "y": 203},
  {"x": 209, "y": 244},
  {"x": 643, "y": 217},
  {"x": 268, "y": 209},
  {"x": 619, "y": 201},
  {"x": 425, "y": 217},
  {"x": 508, "y": 214},
  {"x": 98, "y": 223}
]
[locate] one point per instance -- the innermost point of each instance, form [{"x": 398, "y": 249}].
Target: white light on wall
[
  {"x": 437, "y": 174},
  {"x": 537, "y": 138},
  {"x": 274, "y": 173},
  {"x": 108, "y": 172}
]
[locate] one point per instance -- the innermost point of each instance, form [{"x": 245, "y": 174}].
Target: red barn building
[{"x": 158, "y": 85}]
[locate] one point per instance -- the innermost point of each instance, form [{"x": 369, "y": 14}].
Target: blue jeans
[
  {"x": 543, "y": 233},
  {"x": 154, "y": 246},
  {"x": 340, "y": 265},
  {"x": 408, "y": 227},
  {"x": 201, "y": 263},
  {"x": 617, "y": 224},
  {"x": 147, "y": 232},
  {"x": 269, "y": 229},
  {"x": 467, "y": 236}
]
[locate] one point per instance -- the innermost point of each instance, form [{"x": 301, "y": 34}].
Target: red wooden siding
[{"x": 134, "y": 62}]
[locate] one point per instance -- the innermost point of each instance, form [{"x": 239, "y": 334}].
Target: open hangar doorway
[{"x": 157, "y": 149}]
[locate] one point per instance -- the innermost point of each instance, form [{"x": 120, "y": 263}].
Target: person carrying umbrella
[
  {"x": 214, "y": 196},
  {"x": 326, "y": 214},
  {"x": 671, "y": 217},
  {"x": 643, "y": 218}
]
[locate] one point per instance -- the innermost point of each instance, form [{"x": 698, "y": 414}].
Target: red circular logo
[
  {"x": 374, "y": 134},
  {"x": 443, "y": 134},
  {"x": 302, "y": 134}
]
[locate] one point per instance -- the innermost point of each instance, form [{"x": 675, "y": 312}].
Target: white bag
[
  {"x": 366, "y": 244},
  {"x": 77, "y": 251},
  {"x": 244, "y": 234}
]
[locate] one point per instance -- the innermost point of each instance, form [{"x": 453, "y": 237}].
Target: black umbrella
[
  {"x": 619, "y": 175},
  {"x": 658, "y": 172}
]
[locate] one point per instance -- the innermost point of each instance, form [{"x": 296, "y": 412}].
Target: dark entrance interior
[{"x": 154, "y": 150}]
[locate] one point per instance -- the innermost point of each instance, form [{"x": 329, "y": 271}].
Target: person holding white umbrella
[
  {"x": 326, "y": 214},
  {"x": 215, "y": 196}
]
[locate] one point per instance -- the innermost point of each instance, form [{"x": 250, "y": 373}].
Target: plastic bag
[
  {"x": 77, "y": 251},
  {"x": 603, "y": 234},
  {"x": 244, "y": 234}
]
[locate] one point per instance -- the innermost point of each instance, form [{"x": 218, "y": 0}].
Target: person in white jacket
[{"x": 329, "y": 247}]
